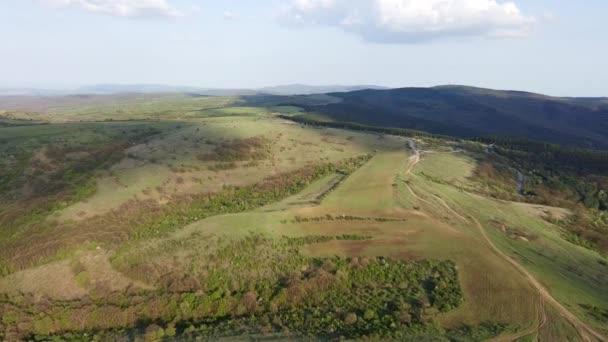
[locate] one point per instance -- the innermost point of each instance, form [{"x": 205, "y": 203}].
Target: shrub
[{"x": 350, "y": 318}]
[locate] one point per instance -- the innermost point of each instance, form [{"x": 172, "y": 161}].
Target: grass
[
  {"x": 331, "y": 298},
  {"x": 247, "y": 111},
  {"x": 573, "y": 274},
  {"x": 151, "y": 170},
  {"x": 448, "y": 167},
  {"x": 421, "y": 237},
  {"x": 165, "y": 167},
  {"x": 132, "y": 107},
  {"x": 370, "y": 189},
  {"x": 119, "y": 107},
  {"x": 45, "y": 168},
  {"x": 418, "y": 237},
  {"x": 313, "y": 194},
  {"x": 226, "y": 245}
]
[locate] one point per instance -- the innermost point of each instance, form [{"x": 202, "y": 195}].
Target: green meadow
[{"x": 175, "y": 216}]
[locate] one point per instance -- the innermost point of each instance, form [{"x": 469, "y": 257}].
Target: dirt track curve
[{"x": 585, "y": 332}]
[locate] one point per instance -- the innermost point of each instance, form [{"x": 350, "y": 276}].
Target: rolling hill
[
  {"x": 305, "y": 89},
  {"x": 182, "y": 217},
  {"x": 113, "y": 89},
  {"x": 468, "y": 111}
]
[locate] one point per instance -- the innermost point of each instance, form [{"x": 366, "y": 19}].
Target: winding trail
[
  {"x": 585, "y": 332},
  {"x": 450, "y": 209}
]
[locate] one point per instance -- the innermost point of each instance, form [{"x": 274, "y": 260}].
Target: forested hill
[{"x": 468, "y": 111}]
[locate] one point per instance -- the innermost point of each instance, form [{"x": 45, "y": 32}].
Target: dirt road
[{"x": 585, "y": 332}]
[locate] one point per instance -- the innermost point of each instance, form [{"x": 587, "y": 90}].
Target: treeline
[
  {"x": 522, "y": 149},
  {"x": 554, "y": 175},
  {"x": 404, "y": 132},
  {"x": 579, "y": 173},
  {"x": 535, "y": 152},
  {"x": 560, "y": 166}
]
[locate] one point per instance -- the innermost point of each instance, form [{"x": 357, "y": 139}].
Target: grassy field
[
  {"x": 221, "y": 218},
  {"x": 500, "y": 295},
  {"x": 574, "y": 275},
  {"x": 170, "y": 165},
  {"x": 44, "y": 166},
  {"x": 110, "y": 107},
  {"x": 78, "y": 108}
]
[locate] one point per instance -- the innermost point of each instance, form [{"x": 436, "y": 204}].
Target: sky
[{"x": 555, "y": 47}]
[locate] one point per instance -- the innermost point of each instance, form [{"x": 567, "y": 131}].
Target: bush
[
  {"x": 327, "y": 299},
  {"x": 350, "y": 318}
]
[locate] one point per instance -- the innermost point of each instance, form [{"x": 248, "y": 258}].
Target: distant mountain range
[
  {"x": 18, "y": 91},
  {"x": 451, "y": 110},
  {"x": 469, "y": 111},
  {"x": 290, "y": 89},
  {"x": 303, "y": 89}
]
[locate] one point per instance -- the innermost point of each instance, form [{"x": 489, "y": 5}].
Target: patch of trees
[
  {"x": 310, "y": 297},
  {"x": 482, "y": 332},
  {"x": 556, "y": 176},
  {"x": 50, "y": 174},
  {"x": 537, "y": 153},
  {"x": 404, "y": 132},
  {"x": 586, "y": 227},
  {"x": 255, "y": 148}
]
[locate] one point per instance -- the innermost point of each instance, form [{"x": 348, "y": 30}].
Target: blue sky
[{"x": 556, "y": 47}]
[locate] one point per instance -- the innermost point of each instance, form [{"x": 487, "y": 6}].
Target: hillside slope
[
  {"x": 305, "y": 89},
  {"x": 181, "y": 217},
  {"x": 467, "y": 111}
]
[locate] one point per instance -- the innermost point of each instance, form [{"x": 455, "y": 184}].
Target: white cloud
[
  {"x": 122, "y": 8},
  {"x": 411, "y": 21}
]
